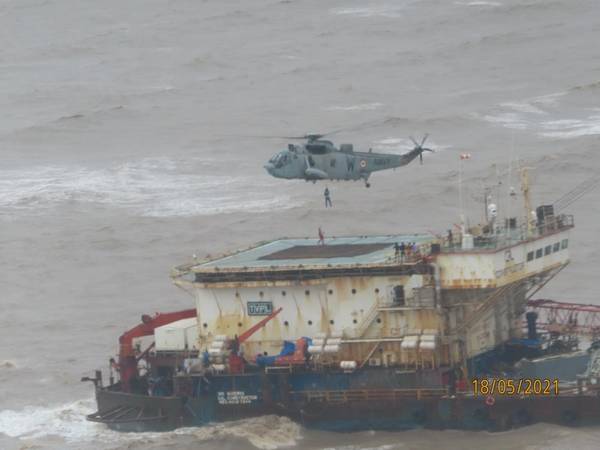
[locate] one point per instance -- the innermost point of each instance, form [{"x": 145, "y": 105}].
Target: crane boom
[
  {"x": 127, "y": 358},
  {"x": 253, "y": 329}
]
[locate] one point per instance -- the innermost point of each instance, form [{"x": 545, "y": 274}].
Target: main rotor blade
[
  {"x": 414, "y": 141},
  {"x": 424, "y": 139}
]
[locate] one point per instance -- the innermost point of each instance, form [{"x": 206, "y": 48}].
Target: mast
[{"x": 526, "y": 201}]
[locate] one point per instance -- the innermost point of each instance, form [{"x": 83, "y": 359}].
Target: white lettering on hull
[{"x": 235, "y": 398}]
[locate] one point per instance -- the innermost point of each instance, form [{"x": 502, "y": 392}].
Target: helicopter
[{"x": 319, "y": 159}]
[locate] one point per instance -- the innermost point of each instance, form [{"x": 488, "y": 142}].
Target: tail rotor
[{"x": 419, "y": 147}]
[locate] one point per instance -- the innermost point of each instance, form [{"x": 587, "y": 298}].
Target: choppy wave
[
  {"x": 151, "y": 187},
  {"x": 544, "y": 116},
  {"x": 572, "y": 128},
  {"x": 68, "y": 422},
  {"x": 390, "y": 10},
  {"x": 478, "y": 3},
  {"x": 265, "y": 432},
  {"x": 360, "y": 107}
]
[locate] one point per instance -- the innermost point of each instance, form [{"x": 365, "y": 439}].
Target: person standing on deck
[
  {"x": 321, "y": 237},
  {"x": 327, "y": 198}
]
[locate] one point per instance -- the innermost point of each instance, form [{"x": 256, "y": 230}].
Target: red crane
[
  {"x": 236, "y": 363},
  {"x": 127, "y": 357},
  {"x": 566, "y": 318}
]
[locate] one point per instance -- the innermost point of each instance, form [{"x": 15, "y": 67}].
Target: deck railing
[
  {"x": 348, "y": 396},
  {"x": 506, "y": 236}
]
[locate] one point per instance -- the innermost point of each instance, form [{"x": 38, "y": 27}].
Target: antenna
[
  {"x": 463, "y": 156},
  {"x": 526, "y": 200}
]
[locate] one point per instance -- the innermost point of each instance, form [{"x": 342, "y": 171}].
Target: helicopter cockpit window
[{"x": 280, "y": 160}]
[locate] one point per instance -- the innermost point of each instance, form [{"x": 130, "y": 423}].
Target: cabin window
[
  {"x": 316, "y": 149},
  {"x": 556, "y": 247},
  {"x": 530, "y": 256},
  {"x": 564, "y": 244},
  {"x": 398, "y": 295},
  {"x": 547, "y": 250},
  {"x": 539, "y": 252}
]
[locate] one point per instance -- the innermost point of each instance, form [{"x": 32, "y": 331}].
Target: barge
[{"x": 364, "y": 332}]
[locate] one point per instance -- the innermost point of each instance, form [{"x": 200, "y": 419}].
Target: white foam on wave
[
  {"x": 479, "y": 3},
  {"x": 523, "y": 114},
  {"x": 510, "y": 120},
  {"x": 151, "y": 187},
  {"x": 387, "y": 10},
  {"x": 359, "y": 107},
  {"x": 534, "y": 114},
  {"x": 68, "y": 422},
  {"x": 525, "y": 107},
  {"x": 265, "y": 432},
  {"x": 572, "y": 128}
]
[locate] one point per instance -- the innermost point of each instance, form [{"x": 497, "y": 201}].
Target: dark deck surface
[{"x": 324, "y": 251}]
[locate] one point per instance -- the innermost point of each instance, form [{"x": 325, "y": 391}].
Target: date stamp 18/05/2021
[{"x": 515, "y": 387}]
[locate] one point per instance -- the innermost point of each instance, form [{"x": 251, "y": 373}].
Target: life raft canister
[{"x": 489, "y": 400}]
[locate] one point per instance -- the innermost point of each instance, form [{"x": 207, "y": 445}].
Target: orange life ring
[
  {"x": 363, "y": 163},
  {"x": 489, "y": 400}
]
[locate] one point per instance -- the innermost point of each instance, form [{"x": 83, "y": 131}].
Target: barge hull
[{"x": 351, "y": 410}]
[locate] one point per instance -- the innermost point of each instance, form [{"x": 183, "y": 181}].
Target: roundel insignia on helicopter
[{"x": 363, "y": 163}]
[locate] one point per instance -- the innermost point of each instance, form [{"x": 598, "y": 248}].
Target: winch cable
[{"x": 576, "y": 193}]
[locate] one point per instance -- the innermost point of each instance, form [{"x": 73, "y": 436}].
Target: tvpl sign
[{"x": 260, "y": 308}]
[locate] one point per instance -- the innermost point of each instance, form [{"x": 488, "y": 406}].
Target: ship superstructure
[{"x": 437, "y": 303}]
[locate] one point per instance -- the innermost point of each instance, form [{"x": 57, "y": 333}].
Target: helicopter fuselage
[{"x": 321, "y": 160}]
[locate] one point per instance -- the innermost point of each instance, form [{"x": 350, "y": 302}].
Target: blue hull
[{"x": 378, "y": 399}]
